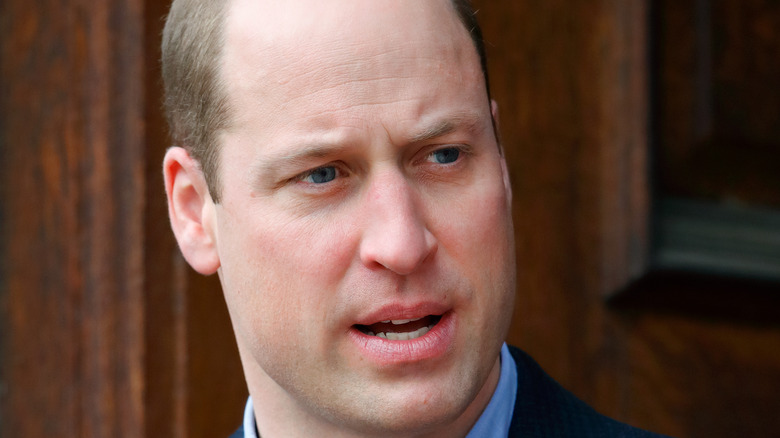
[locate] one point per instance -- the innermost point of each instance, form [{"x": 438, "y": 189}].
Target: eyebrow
[
  {"x": 466, "y": 121},
  {"x": 270, "y": 167},
  {"x": 443, "y": 127}
]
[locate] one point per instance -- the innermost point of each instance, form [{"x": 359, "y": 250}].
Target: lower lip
[{"x": 429, "y": 346}]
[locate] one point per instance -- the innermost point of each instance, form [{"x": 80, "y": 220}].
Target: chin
[
  {"x": 413, "y": 413},
  {"x": 415, "y": 420}
]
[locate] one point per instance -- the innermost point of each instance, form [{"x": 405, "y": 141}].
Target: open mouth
[{"x": 400, "y": 329}]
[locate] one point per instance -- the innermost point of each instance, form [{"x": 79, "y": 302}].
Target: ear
[
  {"x": 496, "y": 124},
  {"x": 191, "y": 210},
  {"x": 504, "y": 169}
]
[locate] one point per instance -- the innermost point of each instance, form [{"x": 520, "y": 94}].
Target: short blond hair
[{"x": 195, "y": 97}]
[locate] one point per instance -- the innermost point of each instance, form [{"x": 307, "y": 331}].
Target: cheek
[
  {"x": 482, "y": 247},
  {"x": 477, "y": 228},
  {"x": 280, "y": 274}
]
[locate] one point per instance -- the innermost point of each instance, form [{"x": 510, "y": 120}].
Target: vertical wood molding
[
  {"x": 570, "y": 79},
  {"x": 73, "y": 204},
  {"x": 624, "y": 146}
]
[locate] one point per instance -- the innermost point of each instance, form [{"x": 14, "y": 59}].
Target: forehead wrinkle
[
  {"x": 349, "y": 93},
  {"x": 353, "y": 59}
]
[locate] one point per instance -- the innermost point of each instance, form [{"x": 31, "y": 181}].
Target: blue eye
[
  {"x": 445, "y": 156},
  {"x": 321, "y": 175}
]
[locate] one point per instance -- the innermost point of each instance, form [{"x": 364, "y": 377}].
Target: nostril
[{"x": 400, "y": 253}]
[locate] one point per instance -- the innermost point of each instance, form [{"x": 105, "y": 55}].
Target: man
[{"x": 340, "y": 172}]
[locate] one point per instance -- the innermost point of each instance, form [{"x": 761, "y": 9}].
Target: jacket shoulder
[
  {"x": 543, "y": 408},
  {"x": 238, "y": 433}
]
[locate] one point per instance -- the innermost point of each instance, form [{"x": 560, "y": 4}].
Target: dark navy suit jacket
[{"x": 545, "y": 409}]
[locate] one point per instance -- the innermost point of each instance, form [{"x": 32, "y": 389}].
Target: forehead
[
  {"x": 300, "y": 54},
  {"x": 389, "y": 22}
]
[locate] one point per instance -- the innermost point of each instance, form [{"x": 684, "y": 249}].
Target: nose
[{"x": 395, "y": 235}]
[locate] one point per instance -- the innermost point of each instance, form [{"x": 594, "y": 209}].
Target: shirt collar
[
  {"x": 497, "y": 416},
  {"x": 250, "y": 428},
  {"x": 493, "y": 423}
]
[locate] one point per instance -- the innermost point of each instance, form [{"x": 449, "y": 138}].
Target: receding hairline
[{"x": 196, "y": 116}]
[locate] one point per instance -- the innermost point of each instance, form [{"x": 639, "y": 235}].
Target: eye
[
  {"x": 444, "y": 156},
  {"x": 320, "y": 175}
]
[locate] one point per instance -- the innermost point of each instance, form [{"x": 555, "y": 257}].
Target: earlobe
[
  {"x": 496, "y": 124},
  {"x": 190, "y": 209},
  {"x": 507, "y": 181}
]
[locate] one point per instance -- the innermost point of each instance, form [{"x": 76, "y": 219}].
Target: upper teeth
[
  {"x": 400, "y": 321},
  {"x": 403, "y": 336}
]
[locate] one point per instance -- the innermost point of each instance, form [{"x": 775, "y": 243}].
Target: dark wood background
[{"x": 104, "y": 330}]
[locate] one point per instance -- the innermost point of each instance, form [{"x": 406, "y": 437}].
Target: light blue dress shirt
[{"x": 493, "y": 423}]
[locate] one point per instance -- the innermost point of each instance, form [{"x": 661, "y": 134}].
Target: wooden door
[
  {"x": 588, "y": 92},
  {"x": 104, "y": 330}
]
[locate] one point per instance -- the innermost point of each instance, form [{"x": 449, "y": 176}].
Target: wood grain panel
[
  {"x": 73, "y": 197},
  {"x": 571, "y": 79},
  {"x": 718, "y": 109},
  {"x": 704, "y": 377}
]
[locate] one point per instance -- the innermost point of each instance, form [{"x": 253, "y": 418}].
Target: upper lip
[{"x": 397, "y": 310}]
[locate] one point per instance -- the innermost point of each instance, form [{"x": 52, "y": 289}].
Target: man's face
[{"x": 362, "y": 183}]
